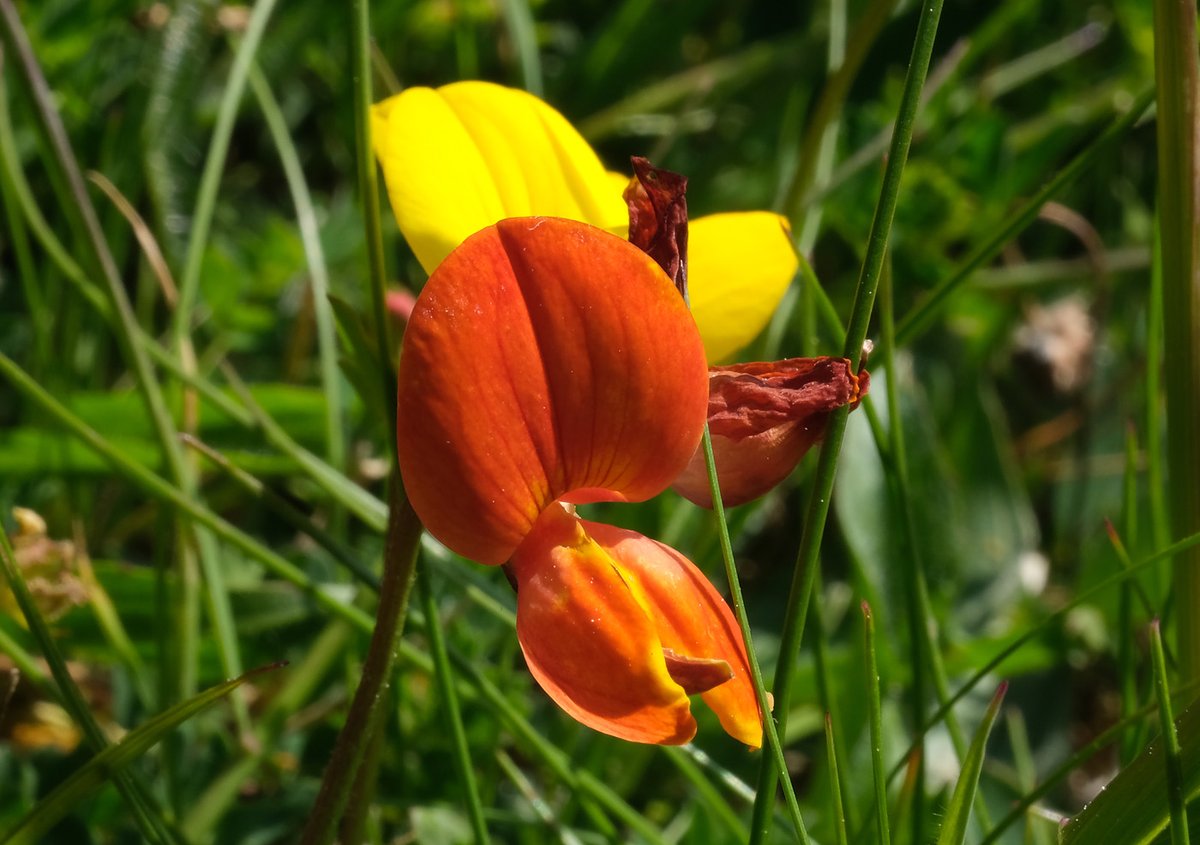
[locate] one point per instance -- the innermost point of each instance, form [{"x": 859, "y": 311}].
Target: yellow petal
[
  {"x": 463, "y": 156},
  {"x": 739, "y": 266}
]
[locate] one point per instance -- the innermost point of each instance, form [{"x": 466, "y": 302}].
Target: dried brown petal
[
  {"x": 764, "y": 416},
  {"x": 658, "y": 218}
]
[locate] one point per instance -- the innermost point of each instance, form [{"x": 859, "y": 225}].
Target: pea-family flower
[
  {"x": 548, "y": 363},
  {"x": 463, "y": 156}
]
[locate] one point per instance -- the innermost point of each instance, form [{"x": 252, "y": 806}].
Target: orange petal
[
  {"x": 588, "y": 640},
  {"x": 544, "y": 359},
  {"x": 691, "y": 620}
]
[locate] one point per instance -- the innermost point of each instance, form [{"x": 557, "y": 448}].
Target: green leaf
[
  {"x": 58, "y": 803},
  {"x": 958, "y": 812},
  {"x": 1132, "y": 809}
]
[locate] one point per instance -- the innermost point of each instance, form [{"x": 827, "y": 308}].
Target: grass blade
[
  {"x": 876, "y": 708},
  {"x": 132, "y": 789},
  {"x": 958, "y": 812},
  {"x": 856, "y": 332},
  {"x": 1177, "y": 71},
  {"x": 1133, "y": 808},
  {"x": 1175, "y": 797},
  {"x": 110, "y": 762}
]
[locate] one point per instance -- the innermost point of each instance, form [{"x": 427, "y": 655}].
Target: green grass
[{"x": 213, "y": 430}]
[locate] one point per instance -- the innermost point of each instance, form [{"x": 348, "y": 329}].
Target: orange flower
[{"x": 547, "y": 361}]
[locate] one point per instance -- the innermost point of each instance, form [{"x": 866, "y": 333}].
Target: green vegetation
[{"x": 972, "y": 605}]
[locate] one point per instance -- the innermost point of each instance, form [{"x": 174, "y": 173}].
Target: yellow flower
[{"x": 461, "y": 157}]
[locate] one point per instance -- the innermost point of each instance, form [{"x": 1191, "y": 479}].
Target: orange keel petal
[
  {"x": 691, "y": 620},
  {"x": 589, "y": 642}
]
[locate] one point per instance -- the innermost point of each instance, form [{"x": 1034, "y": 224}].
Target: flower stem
[
  {"x": 773, "y": 753},
  {"x": 1178, "y": 77},
  {"x": 856, "y": 333},
  {"x": 366, "y": 711}
]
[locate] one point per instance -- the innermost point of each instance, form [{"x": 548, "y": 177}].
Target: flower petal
[
  {"x": 618, "y": 629},
  {"x": 691, "y": 620},
  {"x": 463, "y": 156},
  {"x": 588, "y": 640},
  {"x": 764, "y": 416},
  {"x": 740, "y": 265},
  {"x": 544, "y": 359}
]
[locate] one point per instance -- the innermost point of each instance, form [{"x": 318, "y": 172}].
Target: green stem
[
  {"x": 774, "y": 748},
  {"x": 1176, "y": 793},
  {"x": 368, "y": 188},
  {"x": 1177, "y": 71},
  {"x": 310, "y": 237},
  {"x": 835, "y": 784},
  {"x": 214, "y": 165},
  {"x": 876, "y": 709},
  {"x": 444, "y": 674},
  {"x": 856, "y": 332},
  {"x": 403, "y": 540},
  {"x": 920, "y": 638}
]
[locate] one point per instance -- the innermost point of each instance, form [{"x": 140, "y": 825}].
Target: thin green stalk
[
  {"x": 403, "y": 540},
  {"x": 135, "y": 792},
  {"x": 774, "y": 748},
  {"x": 917, "y": 320},
  {"x": 283, "y": 508},
  {"x": 1176, "y": 794},
  {"x": 835, "y": 784},
  {"x": 826, "y": 694},
  {"x": 1018, "y": 740},
  {"x": 368, "y": 189},
  {"x": 541, "y": 807},
  {"x": 876, "y": 710},
  {"x": 1160, "y": 516},
  {"x": 822, "y": 124},
  {"x": 214, "y": 166},
  {"x": 444, "y": 674},
  {"x": 1177, "y": 72},
  {"x": 921, "y": 640},
  {"x": 856, "y": 332},
  {"x": 583, "y": 783},
  {"x": 41, "y": 317},
  {"x": 310, "y": 237},
  {"x": 1126, "y": 669}
]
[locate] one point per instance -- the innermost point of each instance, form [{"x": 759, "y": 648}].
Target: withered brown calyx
[{"x": 658, "y": 218}]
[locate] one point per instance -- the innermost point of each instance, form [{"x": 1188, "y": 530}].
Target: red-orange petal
[
  {"x": 618, "y": 629},
  {"x": 691, "y": 619},
  {"x": 589, "y": 641},
  {"x": 544, "y": 359}
]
